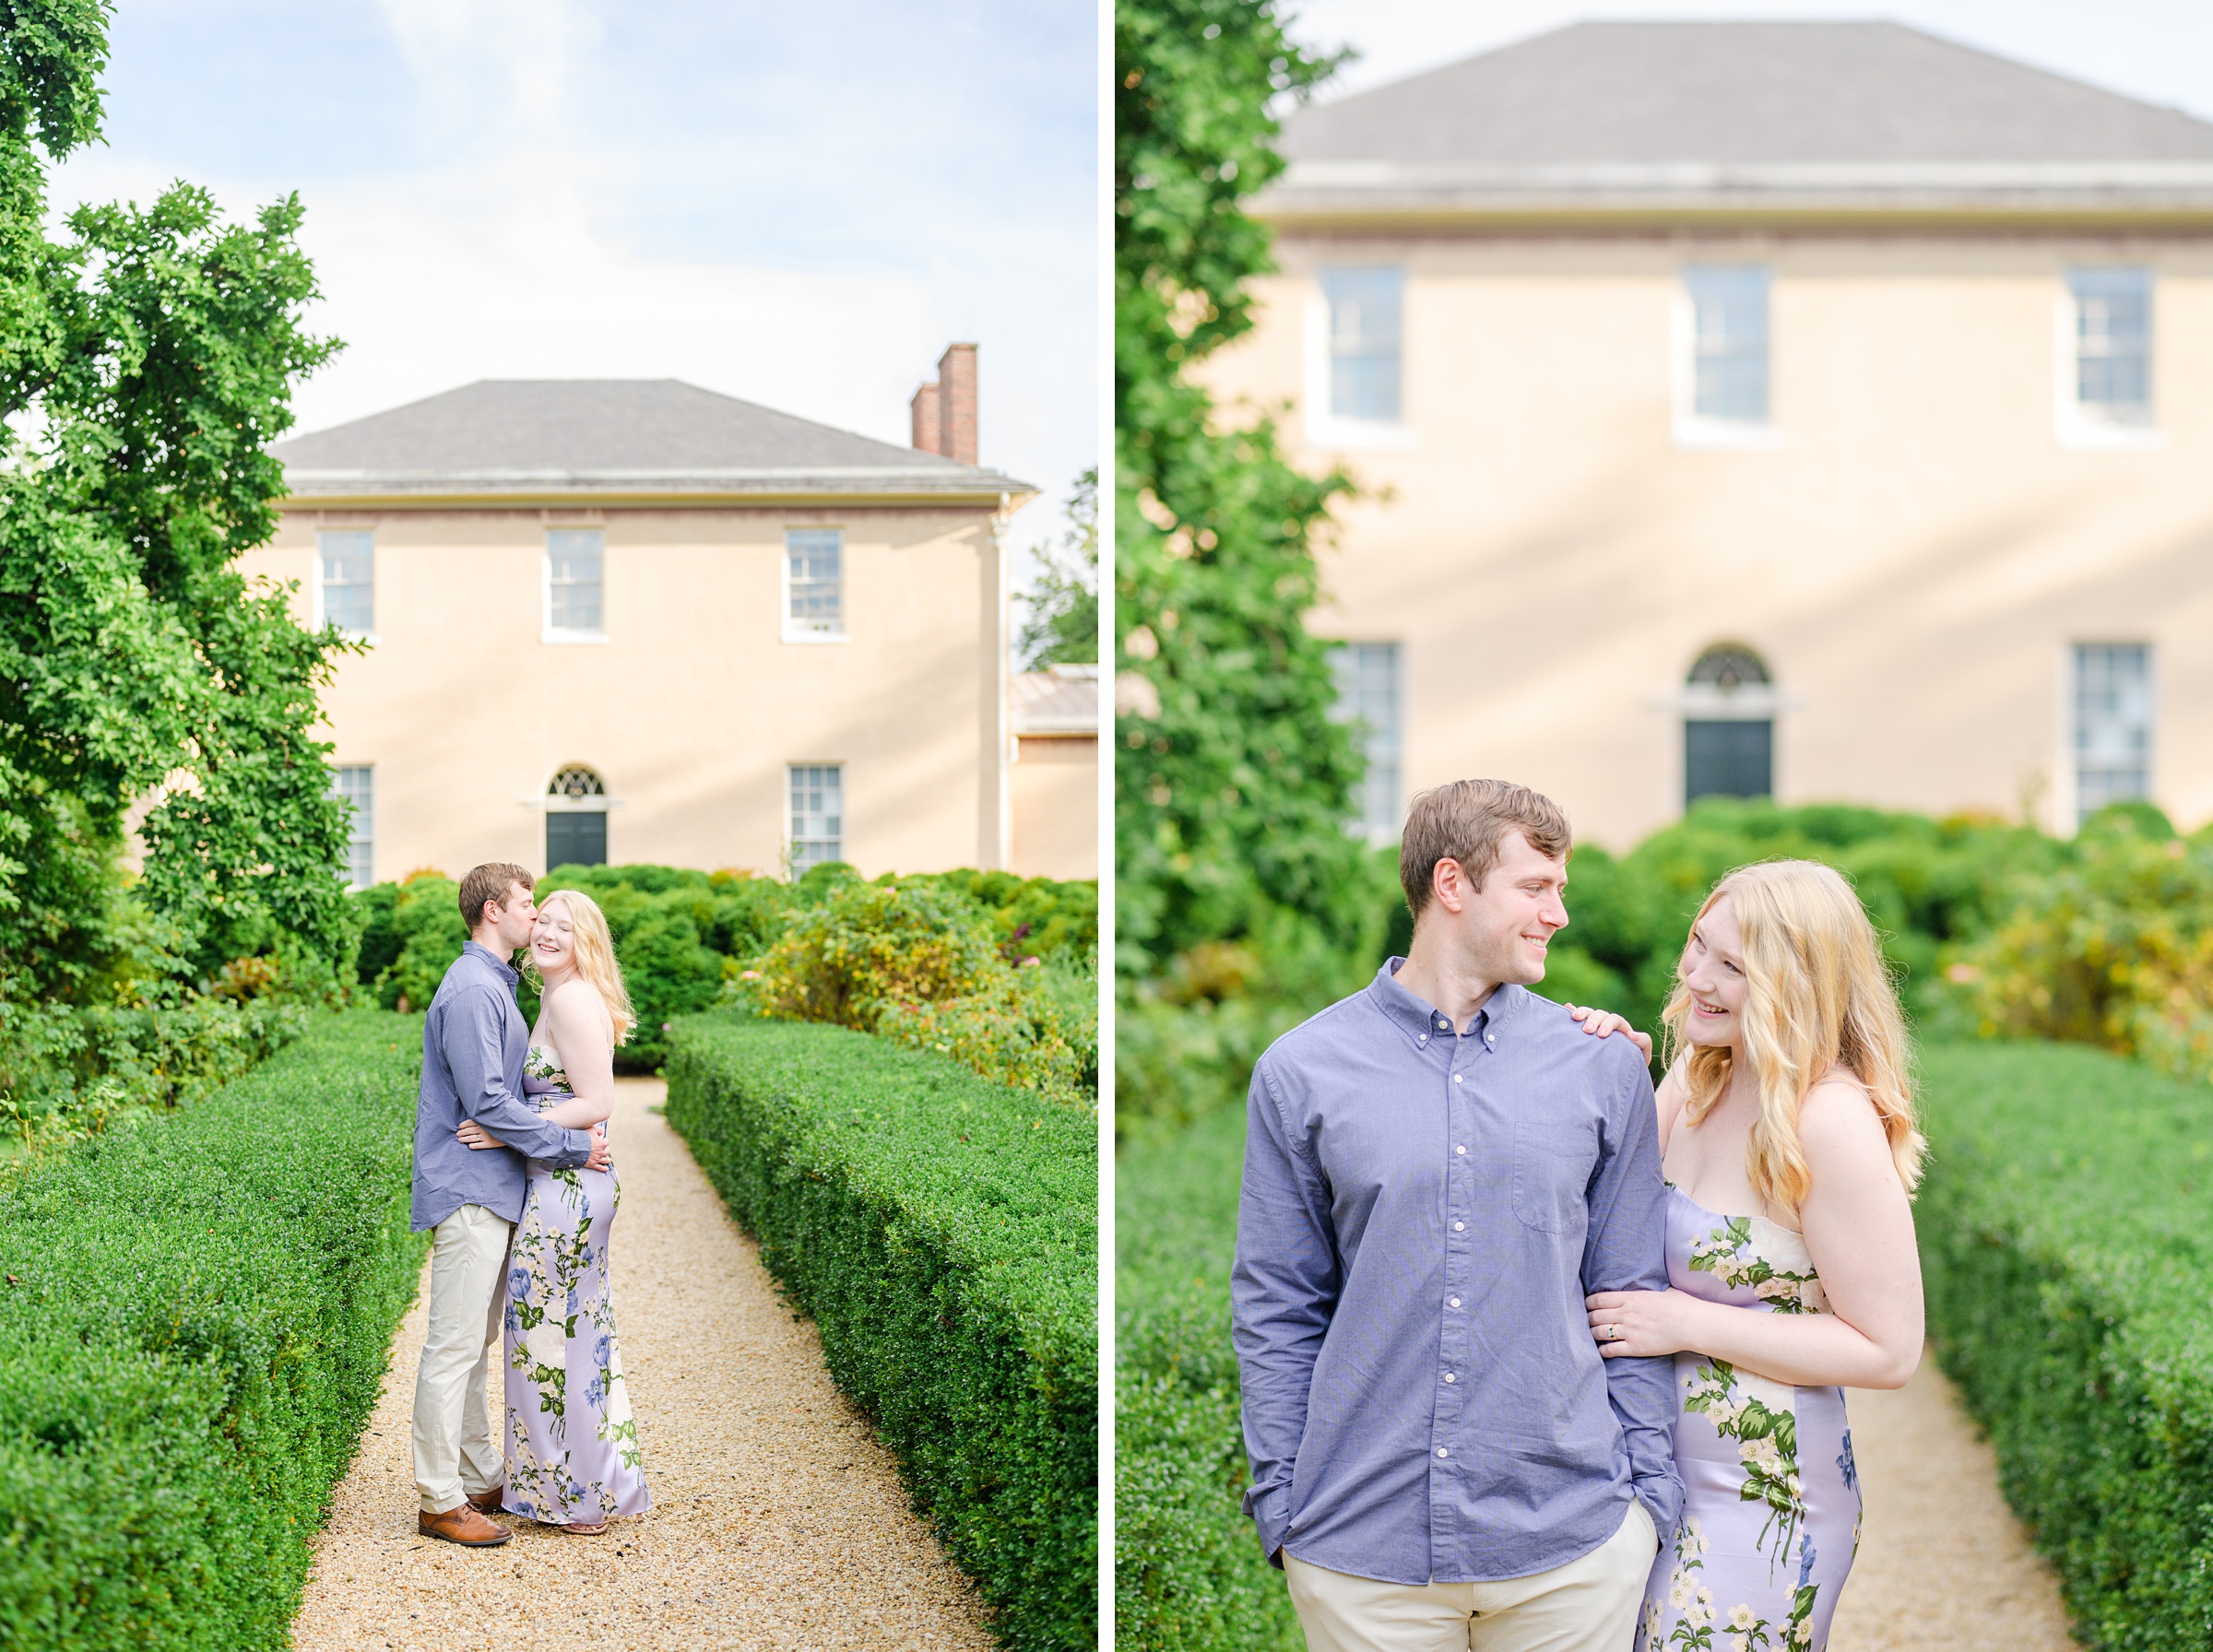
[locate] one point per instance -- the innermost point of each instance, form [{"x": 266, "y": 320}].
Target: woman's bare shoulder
[{"x": 1838, "y": 1116}]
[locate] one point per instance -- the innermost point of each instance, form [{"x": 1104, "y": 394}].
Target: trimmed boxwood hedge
[
  {"x": 942, "y": 1233},
  {"x": 194, "y": 1317},
  {"x": 2066, "y": 1233},
  {"x": 1188, "y": 1574}
]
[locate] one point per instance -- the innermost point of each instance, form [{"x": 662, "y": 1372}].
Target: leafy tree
[
  {"x": 145, "y": 362},
  {"x": 1064, "y": 628},
  {"x": 1233, "y": 780}
]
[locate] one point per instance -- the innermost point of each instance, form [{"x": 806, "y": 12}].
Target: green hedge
[
  {"x": 1189, "y": 1571},
  {"x": 194, "y": 1322},
  {"x": 2066, "y": 1233},
  {"x": 942, "y": 1233}
]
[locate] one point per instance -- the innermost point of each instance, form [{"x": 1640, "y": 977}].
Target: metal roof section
[
  {"x": 1752, "y": 119},
  {"x": 1060, "y": 701},
  {"x": 613, "y": 441}
]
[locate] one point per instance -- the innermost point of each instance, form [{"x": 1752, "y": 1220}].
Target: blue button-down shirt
[
  {"x": 1423, "y": 1215},
  {"x": 474, "y": 1042}
]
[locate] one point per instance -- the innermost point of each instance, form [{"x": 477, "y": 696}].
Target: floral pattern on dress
[
  {"x": 1730, "y": 1254},
  {"x": 572, "y": 1444},
  {"x": 1770, "y": 1491}
]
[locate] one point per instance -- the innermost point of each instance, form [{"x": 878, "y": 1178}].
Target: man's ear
[{"x": 1448, "y": 885}]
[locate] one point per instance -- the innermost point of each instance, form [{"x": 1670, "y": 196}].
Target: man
[
  {"x": 473, "y": 1047},
  {"x": 1439, "y": 1170}
]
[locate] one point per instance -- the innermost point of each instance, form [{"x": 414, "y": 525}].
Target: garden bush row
[
  {"x": 941, "y": 1232},
  {"x": 2069, "y": 1268},
  {"x": 1189, "y": 1571},
  {"x": 195, "y": 1311},
  {"x": 685, "y": 938}
]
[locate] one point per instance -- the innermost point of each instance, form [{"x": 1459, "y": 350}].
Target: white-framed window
[
  {"x": 1369, "y": 694},
  {"x": 2112, "y": 724},
  {"x": 814, "y": 584},
  {"x": 1355, "y": 355},
  {"x": 1721, "y": 357},
  {"x": 356, "y": 784},
  {"x": 575, "y": 587},
  {"x": 346, "y": 579},
  {"x": 2103, "y": 358},
  {"x": 818, "y": 814}
]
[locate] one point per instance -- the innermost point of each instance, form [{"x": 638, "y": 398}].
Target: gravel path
[
  {"x": 1943, "y": 1567},
  {"x": 779, "y": 1520}
]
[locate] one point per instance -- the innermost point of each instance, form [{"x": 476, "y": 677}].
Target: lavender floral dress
[
  {"x": 573, "y": 1455},
  {"x": 1771, "y": 1499}
]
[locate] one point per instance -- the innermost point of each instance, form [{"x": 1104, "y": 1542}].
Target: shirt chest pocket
[{"x": 1552, "y": 1175}]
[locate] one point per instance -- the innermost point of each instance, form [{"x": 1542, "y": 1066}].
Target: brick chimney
[
  {"x": 944, "y": 410},
  {"x": 925, "y": 409}
]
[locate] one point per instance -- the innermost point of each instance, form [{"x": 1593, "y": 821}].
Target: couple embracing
[
  {"x": 513, "y": 1181},
  {"x": 1533, "y": 1356}
]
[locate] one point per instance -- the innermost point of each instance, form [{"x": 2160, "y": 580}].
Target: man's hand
[
  {"x": 600, "y": 1160},
  {"x": 1605, "y": 1023},
  {"x": 473, "y": 1135}
]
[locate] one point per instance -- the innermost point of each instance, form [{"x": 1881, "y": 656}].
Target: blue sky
[
  {"x": 2161, "y": 51},
  {"x": 799, "y": 203}
]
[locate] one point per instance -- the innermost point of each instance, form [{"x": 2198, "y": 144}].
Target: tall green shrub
[
  {"x": 1233, "y": 779},
  {"x": 941, "y": 1231},
  {"x": 2069, "y": 1269},
  {"x": 194, "y": 1329}
]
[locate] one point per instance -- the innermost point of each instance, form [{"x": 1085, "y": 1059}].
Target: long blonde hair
[
  {"x": 593, "y": 946},
  {"x": 1817, "y": 996}
]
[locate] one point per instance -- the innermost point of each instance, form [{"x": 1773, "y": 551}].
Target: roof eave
[
  {"x": 1317, "y": 211},
  {"x": 2151, "y": 196},
  {"x": 969, "y": 488}
]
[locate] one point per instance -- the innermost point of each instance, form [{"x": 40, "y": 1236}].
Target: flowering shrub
[
  {"x": 911, "y": 962},
  {"x": 2114, "y": 948}
]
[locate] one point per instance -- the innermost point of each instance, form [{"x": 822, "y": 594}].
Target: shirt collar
[
  {"x": 1419, "y": 1020},
  {"x": 508, "y": 970}
]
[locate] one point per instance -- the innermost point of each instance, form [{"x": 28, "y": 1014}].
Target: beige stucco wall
[
  {"x": 1056, "y": 796},
  {"x": 1913, "y": 559},
  {"x": 693, "y": 706}
]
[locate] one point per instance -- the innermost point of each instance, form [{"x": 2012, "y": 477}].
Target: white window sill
[
  {"x": 2084, "y": 435},
  {"x": 1358, "y": 434},
  {"x": 562, "y": 639},
  {"x": 816, "y": 636},
  {"x": 369, "y": 637},
  {"x": 1719, "y": 435}
]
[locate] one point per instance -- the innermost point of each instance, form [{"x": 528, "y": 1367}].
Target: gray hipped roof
[
  {"x": 628, "y": 438},
  {"x": 1603, "y": 115}
]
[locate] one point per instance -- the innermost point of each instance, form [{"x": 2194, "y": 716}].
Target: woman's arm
[
  {"x": 1859, "y": 1230},
  {"x": 1669, "y": 1098},
  {"x": 580, "y": 1038}
]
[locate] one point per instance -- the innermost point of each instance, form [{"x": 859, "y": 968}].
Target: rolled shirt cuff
[
  {"x": 1661, "y": 1495},
  {"x": 1271, "y": 1513}
]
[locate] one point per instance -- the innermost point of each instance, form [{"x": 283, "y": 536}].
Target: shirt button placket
[{"x": 1451, "y": 1346}]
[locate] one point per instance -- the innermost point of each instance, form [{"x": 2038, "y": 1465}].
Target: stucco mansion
[
  {"x": 636, "y": 620},
  {"x": 1814, "y": 410}
]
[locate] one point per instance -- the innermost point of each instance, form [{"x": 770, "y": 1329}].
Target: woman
[
  {"x": 1787, "y": 1139},
  {"x": 572, "y": 1445}
]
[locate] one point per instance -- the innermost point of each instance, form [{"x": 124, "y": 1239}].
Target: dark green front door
[{"x": 575, "y": 838}]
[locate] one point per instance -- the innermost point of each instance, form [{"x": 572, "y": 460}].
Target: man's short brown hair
[
  {"x": 1466, "y": 822},
  {"x": 491, "y": 882}
]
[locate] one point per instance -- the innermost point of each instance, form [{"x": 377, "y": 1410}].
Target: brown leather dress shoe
[
  {"x": 487, "y": 1503},
  {"x": 462, "y": 1525}
]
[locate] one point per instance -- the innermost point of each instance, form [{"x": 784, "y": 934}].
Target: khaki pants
[
  {"x": 1587, "y": 1605},
  {"x": 455, "y": 1453}
]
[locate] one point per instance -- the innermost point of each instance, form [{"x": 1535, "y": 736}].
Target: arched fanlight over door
[
  {"x": 1729, "y": 726},
  {"x": 575, "y": 819}
]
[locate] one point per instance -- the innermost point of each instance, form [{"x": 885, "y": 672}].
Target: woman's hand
[
  {"x": 1636, "y": 1323},
  {"x": 474, "y": 1135},
  {"x": 1604, "y": 1023}
]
